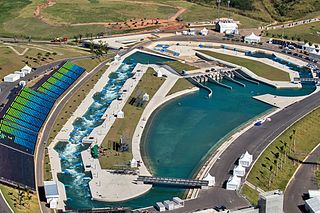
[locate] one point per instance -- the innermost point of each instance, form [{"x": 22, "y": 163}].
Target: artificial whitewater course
[{"x": 179, "y": 135}]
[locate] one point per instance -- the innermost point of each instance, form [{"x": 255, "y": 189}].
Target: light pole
[
  {"x": 229, "y": 8},
  {"x": 218, "y": 2}
]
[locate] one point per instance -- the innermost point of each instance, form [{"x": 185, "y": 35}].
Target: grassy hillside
[{"x": 267, "y": 10}]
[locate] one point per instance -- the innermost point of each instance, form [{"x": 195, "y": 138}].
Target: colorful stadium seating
[{"x": 29, "y": 110}]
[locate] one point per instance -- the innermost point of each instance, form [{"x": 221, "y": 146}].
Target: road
[
  {"x": 303, "y": 180},
  {"x": 47, "y": 129}
]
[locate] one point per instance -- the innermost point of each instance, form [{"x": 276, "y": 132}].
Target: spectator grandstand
[{"x": 22, "y": 121}]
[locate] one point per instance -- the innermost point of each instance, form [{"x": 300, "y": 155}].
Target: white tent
[
  {"x": 252, "y": 39},
  {"x": 26, "y": 69},
  {"x": 120, "y": 114},
  {"x": 145, "y": 97},
  {"x": 245, "y": 159},
  {"x": 210, "y": 179},
  {"x": 11, "y": 78},
  {"x": 233, "y": 183},
  {"x": 133, "y": 163},
  {"x": 159, "y": 74},
  {"x": 22, "y": 74},
  {"x": 204, "y": 32},
  {"x": 117, "y": 57},
  {"x": 239, "y": 171}
]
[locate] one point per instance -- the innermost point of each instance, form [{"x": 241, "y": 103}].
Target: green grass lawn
[
  {"x": 29, "y": 201},
  {"x": 179, "y": 67},
  {"x": 275, "y": 166},
  {"x": 66, "y": 113},
  {"x": 259, "y": 68},
  {"x": 251, "y": 194},
  {"x": 181, "y": 84},
  {"x": 10, "y": 61},
  {"x": 126, "y": 126},
  {"x": 307, "y": 32}
]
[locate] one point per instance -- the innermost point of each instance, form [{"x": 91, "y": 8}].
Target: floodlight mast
[
  {"x": 218, "y": 2},
  {"x": 229, "y": 7}
]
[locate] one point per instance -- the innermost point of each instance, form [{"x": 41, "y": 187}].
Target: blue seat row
[
  {"x": 22, "y": 123},
  {"x": 63, "y": 78},
  {"x": 36, "y": 99},
  {"x": 48, "y": 92},
  {"x": 58, "y": 83},
  {"x": 53, "y": 88},
  {"x": 24, "y": 143},
  {"x": 69, "y": 74},
  {"x": 40, "y": 95},
  {"x": 18, "y": 133},
  {"x": 31, "y": 105},
  {"x": 28, "y": 111},
  {"x": 25, "y": 117}
]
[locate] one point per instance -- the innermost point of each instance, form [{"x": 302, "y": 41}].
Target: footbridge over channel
[{"x": 173, "y": 182}]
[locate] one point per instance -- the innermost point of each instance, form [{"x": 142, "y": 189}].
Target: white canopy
[
  {"x": 26, "y": 69},
  {"x": 306, "y": 45},
  {"x": 204, "y": 31},
  {"x": 145, "y": 97},
  {"x": 252, "y": 38},
  {"x": 233, "y": 183},
  {"x": 120, "y": 114},
  {"x": 210, "y": 179},
  {"x": 133, "y": 163},
  {"x": 239, "y": 171},
  {"x": 117, "y": 57},
  {"x": 245, "y": 159}
]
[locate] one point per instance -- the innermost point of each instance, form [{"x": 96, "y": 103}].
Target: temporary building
[
  {"x": 22, "y": 74},
  {"x": 314, "y": 193},
  {"x": 145, "y": 97},
  {"x": 210, "y": 179},
  {"x": 11, "y": 78},
  {"x": 228, "y": 27},
  {"x": 117, "y": 57},
  {"x": 169, "y": 204},
  {"x": 120, "y": 114},
  {"x": 133, "y": 163},
  {"x": 204, "y": 32},
  {"x": 26, "y": 69},
  {"x": 312, "y": 205},
  {"x": 245, "y": 159},
  {"x": 239, "y": 171},
  {"x": 51, "y": 193},
  {"x": 159, "y": 74},
  {"x": 178, "y": 202},
  {"x": 160, "y": 207},
  {"x": 233, "y": 183},
  {"x": 252, "y": 38}
]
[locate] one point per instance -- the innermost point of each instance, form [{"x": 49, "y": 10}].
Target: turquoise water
[{"x": 180, "y": 134}]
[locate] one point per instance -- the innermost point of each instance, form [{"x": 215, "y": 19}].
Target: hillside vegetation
[{"x": 265, "y": 10}]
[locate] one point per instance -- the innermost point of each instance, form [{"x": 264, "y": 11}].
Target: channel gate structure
[{"x": 22, "y": 120}]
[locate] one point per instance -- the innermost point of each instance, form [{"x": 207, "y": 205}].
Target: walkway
[{"x": 303, "y": 180}]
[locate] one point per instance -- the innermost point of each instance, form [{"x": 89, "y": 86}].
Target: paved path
[
  {"x": 4, "y": 208},
  {"x": 47, "y": 129},
  {"x": 303, "y": 180}
]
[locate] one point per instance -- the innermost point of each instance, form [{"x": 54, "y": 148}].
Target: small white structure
[
  {"x": 160, "y": 207},
  {"x": 251, "y": 39},
  {"x": 204, "y": 32},
  {"x": 190, "y": 32},
  {"x": 145, "y": 97},
  {"x": 52, "y": 194},
  {"x": 271, "y": 202},
  {"x": 22, "y": 83},
  {"x": 227, "y": 26},
  {"x": 312, "y": 205},
  {"x": 159, "y": 74},
  {"x": 22, "y": 74},
  {"x": 117, "y": 57},
  {"x": 210, "y": 179},
  {"x": 133, "y": 163},
  {"x": 245, "y": 159},
  {"x": 233, "y": 183},
  {"x": 11, "y": 78},
  {"x": 169, "y": 204},
  {"x": 120, "y": 114},
  {"x": 178, "y": 202},
  {"x": 239, "y": 171},
  {"x": 26, "y": 69},
  {"x": 314, "y": 193}
]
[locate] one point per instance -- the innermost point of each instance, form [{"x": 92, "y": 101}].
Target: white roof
[
  {"x": 26, "y": 67},
  {"x": 234, "y": 180},
  {"x": 246, "y": 156},
  {"x": 204, "y": 30},
  {"x": 313, "y": 193},
  {"x": 252, "y": 36},
  {"x": 12, "y": 75},
  {"x": 314, "y": 51},
  {"x": 133, "y": 160},
  {"x": 51, "y": 189},
  {"x": 239, "y": 168},
  {"x": 306, "y": 45},
  {"x": 314, "y": 204},
  {"x": 228, "y": 24},
  {"x": 209, "y": 177}
]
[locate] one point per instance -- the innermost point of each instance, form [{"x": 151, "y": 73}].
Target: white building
[
  {"x": 52, "y": 194},
  {"x": 160, "y": 207},
  {"x": 159, "y": 73},
  {"x": 168, "y": 204},
  {"x": 11, "y": 78},
  {"x": 314, "y": 193},
  {"x": 26, "y": 69},
  {"x": 233, "y": 183},
  {"x": 120, "y": 114},
  {"x": 178, "y": 202},
  {"x": 117, "y": 57},
  {"x": 239, "y": 171},
  {"x": 312, "y": 205},
  {"x": 204, "y": 32},
  {"x": 252, "y": 38},
  {"x": 227, "y": 27},
  {"x": 210, "y": 179},
  {"x": 245, "y": 159},
  {"x": 22, "y": 74},
  {"x": 271, "y": 202},
  {"x": 145, "y": 97}
]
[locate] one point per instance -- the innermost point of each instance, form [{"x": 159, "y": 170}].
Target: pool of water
[{"x": 180, "y": 135}]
